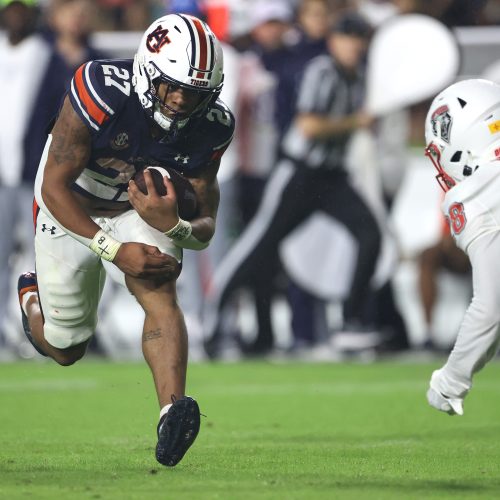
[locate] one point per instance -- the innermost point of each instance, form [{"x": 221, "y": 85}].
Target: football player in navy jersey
[{"x": 118, "y": 117}]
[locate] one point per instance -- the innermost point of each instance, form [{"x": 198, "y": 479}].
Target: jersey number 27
[{"x": 116, "y": 77}]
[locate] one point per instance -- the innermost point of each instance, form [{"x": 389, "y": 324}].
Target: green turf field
[{"x": 280, "y": 431}]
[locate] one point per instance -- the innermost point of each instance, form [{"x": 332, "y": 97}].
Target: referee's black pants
[{"x": 292, "y": 194}]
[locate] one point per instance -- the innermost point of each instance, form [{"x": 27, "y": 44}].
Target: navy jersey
[{"x": 101, "y": 93}]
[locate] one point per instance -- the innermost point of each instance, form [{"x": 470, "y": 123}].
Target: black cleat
[
  {"x": 27, "y": 283},
  {"x": 177, "y": 431}
]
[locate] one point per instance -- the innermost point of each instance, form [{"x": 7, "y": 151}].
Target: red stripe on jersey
[
  {"x": 96, "y": 113},
  {"x": 203, "y": 47},
  {"x": 36, "y": 209}
]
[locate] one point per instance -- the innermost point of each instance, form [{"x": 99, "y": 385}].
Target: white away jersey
[{"x": 472, "y": 207}]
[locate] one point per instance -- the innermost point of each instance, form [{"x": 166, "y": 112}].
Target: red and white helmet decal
[
  {"x": 202, "y": 57},
  {"x": 441, "y": 123}
]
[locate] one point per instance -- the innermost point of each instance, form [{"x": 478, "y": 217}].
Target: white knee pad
[
  {"x": 70, "y": 317},
  {"x": 63, "y": 337}
]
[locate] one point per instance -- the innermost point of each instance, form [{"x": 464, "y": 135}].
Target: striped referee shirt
[{"x": 324, "y": 90}]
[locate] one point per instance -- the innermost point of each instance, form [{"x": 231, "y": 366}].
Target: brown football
[{"x": 186, "y": 196}]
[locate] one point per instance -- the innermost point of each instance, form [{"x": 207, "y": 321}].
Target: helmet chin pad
[
  {"x": 176, "y": 121},
  {"x": 165, "y": 122}
]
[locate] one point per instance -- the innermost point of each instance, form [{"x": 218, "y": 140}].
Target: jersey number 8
[{"x": 457, "y": 217}]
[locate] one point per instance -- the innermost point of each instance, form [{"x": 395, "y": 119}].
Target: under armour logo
[
  {"x": 51, "y": 229},
  {"x": 179, "y": 158},
  {"x": 157, "y": 39}
]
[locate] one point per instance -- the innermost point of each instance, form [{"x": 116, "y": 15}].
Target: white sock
[
  {"x": 25, "y": 299},
  {"x": 164, "y": 410}
]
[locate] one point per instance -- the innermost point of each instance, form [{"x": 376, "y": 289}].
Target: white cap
[{"x": 275, "y": 10}]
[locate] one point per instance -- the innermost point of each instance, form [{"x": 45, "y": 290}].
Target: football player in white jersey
[
  {"x": 462, "y": 133},
  {"x": 91, "y": 219}
]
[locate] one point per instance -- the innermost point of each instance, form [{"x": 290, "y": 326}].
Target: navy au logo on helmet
[
  {"x": 157, "y": 39},
  {"x": 441, "y": 123}
]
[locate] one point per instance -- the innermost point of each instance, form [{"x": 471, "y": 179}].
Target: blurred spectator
[
  {"x": 276, "y": 56},
  {"x": 388, "y": 161},
  {"x": 443, "y": 256},
  {"x": 28, "y": 70},
  {"x": 391, "y": 138},
  {"x": 376, "y": 11},
  {"x": 310, "y": 178},
  {"x": 266, "y": 97},
  {"x": 314, "y": 21},
  {"x": 72, "y": 22},
  {"x": 463, "y": 12},
  {"x": 272, "y": 38},
  {"x": 265, "y": 83},
  {"x": 450, "y": 12},
  {"x": 491, "y": 12},
  {"x": 124, "y": 15},
  {"x": 191, "y": 7}
]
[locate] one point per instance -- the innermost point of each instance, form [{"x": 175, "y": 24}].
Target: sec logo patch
[{"x": 120, "y": 141}]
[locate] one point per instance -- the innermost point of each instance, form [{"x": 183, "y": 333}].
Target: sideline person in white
[{"x": 462, "y": 133}]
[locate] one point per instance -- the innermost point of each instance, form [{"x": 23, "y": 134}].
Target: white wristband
[
  {"x": 181, "y": 231},
  {"x": 105, "y": 245}
]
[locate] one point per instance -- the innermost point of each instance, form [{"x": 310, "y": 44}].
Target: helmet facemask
[{"x": 433, "y": 152}]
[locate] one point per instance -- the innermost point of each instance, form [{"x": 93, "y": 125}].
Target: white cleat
[
  {"x": 452, "y": 406},
  {"x": 443, "y": 403}
]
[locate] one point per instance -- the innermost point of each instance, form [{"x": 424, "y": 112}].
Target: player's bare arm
[
  {"x": 208, "y": 196},
  {"x": 68, "y": 156}
]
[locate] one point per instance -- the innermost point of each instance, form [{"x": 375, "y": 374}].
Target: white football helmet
[
  {"x": 181, "y": 51},
  {"x": 462, "y": 129}
]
